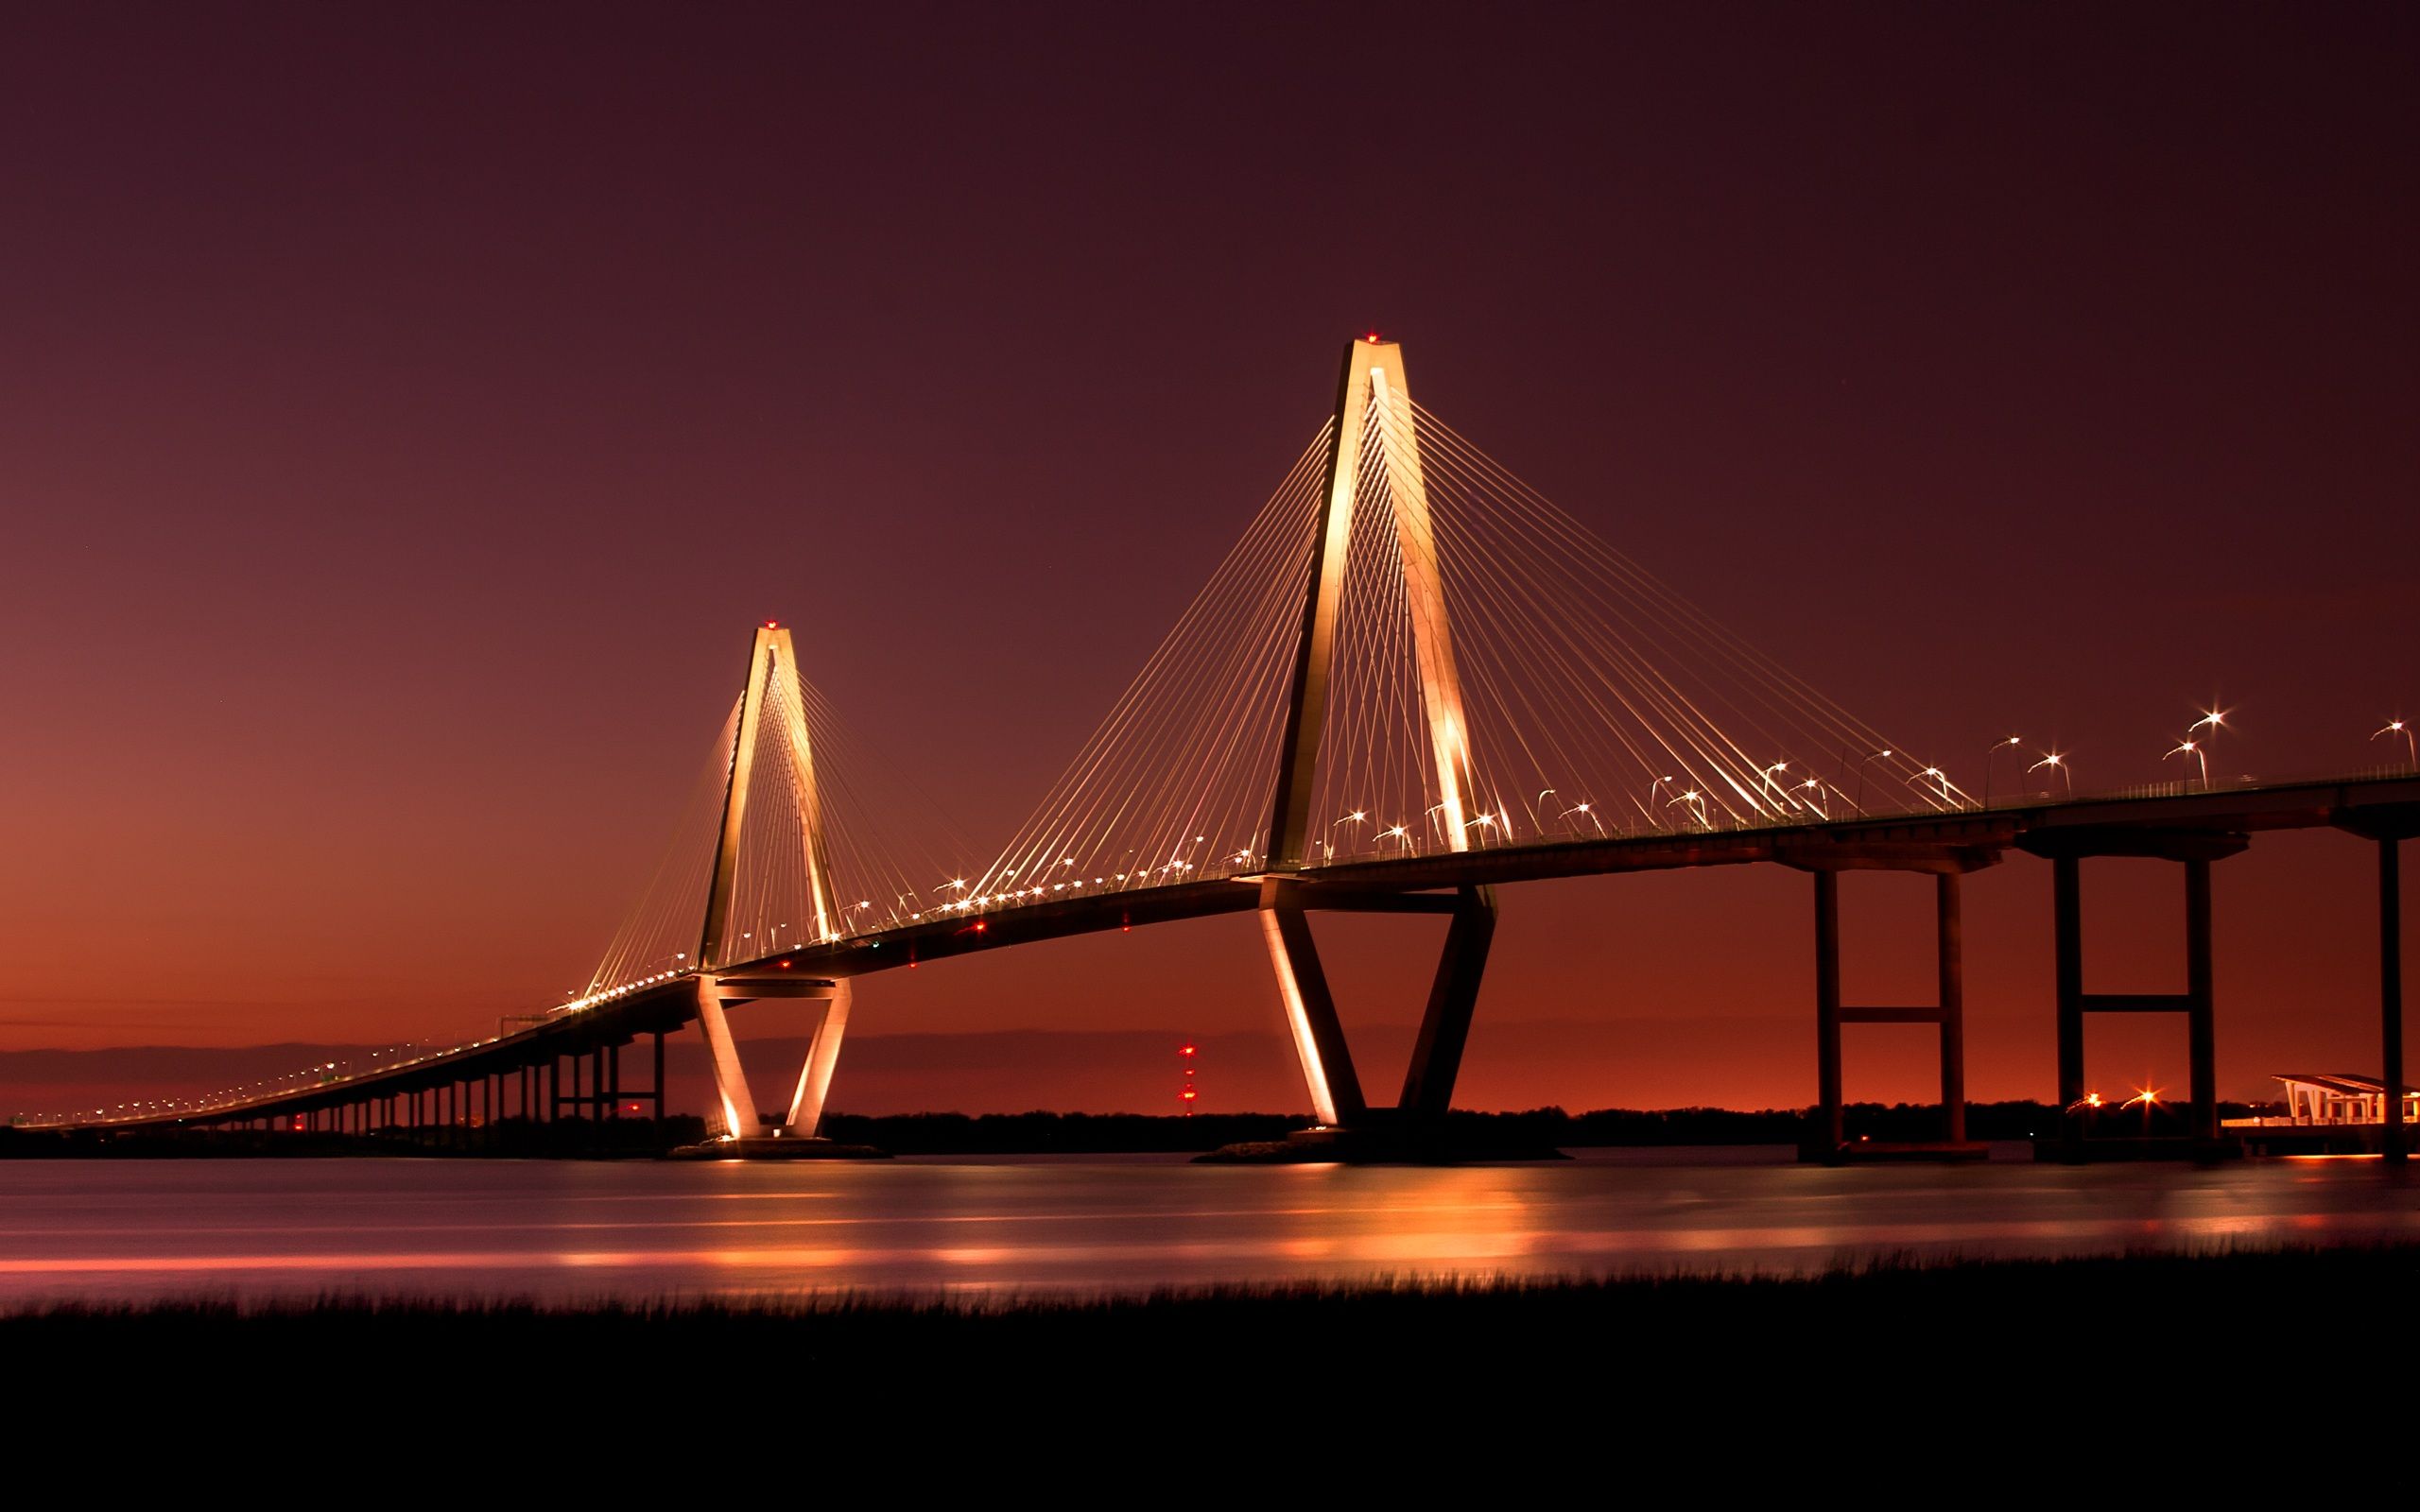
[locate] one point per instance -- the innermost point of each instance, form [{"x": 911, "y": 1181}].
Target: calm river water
[{"x": 568, "y": 1230}]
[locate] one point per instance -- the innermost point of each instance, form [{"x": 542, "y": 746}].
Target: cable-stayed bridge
[{"x": 1412, "y": 681}]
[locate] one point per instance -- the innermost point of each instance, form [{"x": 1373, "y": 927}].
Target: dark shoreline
[{"x": 1481, "y": 1135}]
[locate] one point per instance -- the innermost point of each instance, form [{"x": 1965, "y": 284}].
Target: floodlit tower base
[
  {"x": 1416, "y": 1129},
  {"x": 756, "y": 1135}
]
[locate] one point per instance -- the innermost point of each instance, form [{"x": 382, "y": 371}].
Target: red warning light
[
  {"x": 785, "y": 966},
  {"x": 981, "y": 926},
  {"x": 1372, "y": 337},
  {"x": 1187, "y": 1051}
]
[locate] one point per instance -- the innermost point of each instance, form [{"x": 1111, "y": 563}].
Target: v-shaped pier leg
[
  {"x": 731, "y": 1081},
  {"x": 815, "y": 1076},
  {"x": 1437, "y": 1058},
  {"x": 1311, "y": 1010}
]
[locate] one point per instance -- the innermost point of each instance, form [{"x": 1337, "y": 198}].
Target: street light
[
  {"x": 1989, "y": 751},
  {"x": 1885, "y": 754},
  {"x": 2403, "y": 727},
  {"x": 2193, "y": 748},
  {"x": 1354, "y": 817},
  {"x": 1937, "y": 776},
  {"x": 2082, "y": 1109},
  {"x": 1765, "y": 780},
  {"x": 2148, "y": 1098},
  {"x": 2059, "y": 763},
  {"x": 1649, "y": 809}
]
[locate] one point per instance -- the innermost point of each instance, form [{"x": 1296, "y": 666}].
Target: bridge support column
[
  {"x": 2195, "y": 850},
  {"x": 2389, "y": 826},
  {"x": 2201, "y": 1026},
  {"x": 2067, "y": 926},
  {"x": 2391, "y": 992},
  {"x": 1951, "y": 957},
  {"x": 1828, "y": 1139},
  {"x": 1827, "y": 1011}
]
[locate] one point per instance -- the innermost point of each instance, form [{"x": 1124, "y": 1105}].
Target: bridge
[{"x": 1413, "y": 683}]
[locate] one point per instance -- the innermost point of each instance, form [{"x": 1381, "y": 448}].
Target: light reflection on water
[{"x": 571, "y": 1230}]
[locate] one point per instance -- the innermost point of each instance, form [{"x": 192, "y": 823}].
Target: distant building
[{"x": 2328, "y": 1099}]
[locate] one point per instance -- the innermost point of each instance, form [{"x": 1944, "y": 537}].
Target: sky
[{"x": 407, "y": 412}]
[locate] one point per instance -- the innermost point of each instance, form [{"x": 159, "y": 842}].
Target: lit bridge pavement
[{"x": 1411, "y": 682}]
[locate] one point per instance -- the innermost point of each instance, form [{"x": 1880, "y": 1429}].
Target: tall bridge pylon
[
  {"x": 1373, "y": 461},
  {"x": 772, "y": 716}
]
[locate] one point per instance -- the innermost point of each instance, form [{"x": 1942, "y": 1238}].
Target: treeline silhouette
[{"x": 1047, "y": 1133}]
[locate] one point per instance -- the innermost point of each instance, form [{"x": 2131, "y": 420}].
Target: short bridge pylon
[{"x": 772, "y": 730}]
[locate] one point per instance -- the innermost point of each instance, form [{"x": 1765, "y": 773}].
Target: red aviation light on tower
[{"x": 1185, "y": 1060}]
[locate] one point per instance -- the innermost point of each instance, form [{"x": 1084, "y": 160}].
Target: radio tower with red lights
[{"x": 1185, "y": 1060}]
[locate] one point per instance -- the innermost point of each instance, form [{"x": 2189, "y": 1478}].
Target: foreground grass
[
  {"x": 2033, "y": 1376},
  {"x": 2026, "y": 1317}
]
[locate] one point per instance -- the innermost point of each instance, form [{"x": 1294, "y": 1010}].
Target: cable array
[
  {"x": 659, "y": 936},
  {"x": 1595, "y": 699},
  {"x": 836, "y": 801},
  {"x": 813, "y": 862},
  {"x": 1174, "y": 786}
]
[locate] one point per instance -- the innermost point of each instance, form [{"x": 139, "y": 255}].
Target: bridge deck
[{"x": 1949, "y": 840}]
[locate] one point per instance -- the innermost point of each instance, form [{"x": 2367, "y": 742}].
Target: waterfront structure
[
  {"x": 2316, "y": 1098},
  {"x": 1412, "y": 683}
]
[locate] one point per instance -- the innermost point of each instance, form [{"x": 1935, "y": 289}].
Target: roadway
[{"x": 2142, "y": 821}]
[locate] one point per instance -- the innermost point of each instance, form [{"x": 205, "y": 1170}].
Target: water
[{"x": 572, "y": 1230}]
